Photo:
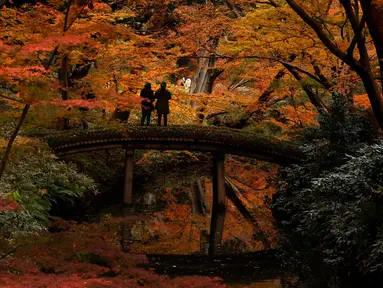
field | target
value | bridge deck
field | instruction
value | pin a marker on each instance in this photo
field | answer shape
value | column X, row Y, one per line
column 193, row 138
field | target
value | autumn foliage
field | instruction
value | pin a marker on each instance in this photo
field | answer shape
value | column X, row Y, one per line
column 83, row 255
column 268, row 67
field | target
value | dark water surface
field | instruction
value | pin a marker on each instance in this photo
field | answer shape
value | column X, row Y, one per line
column 255, row 269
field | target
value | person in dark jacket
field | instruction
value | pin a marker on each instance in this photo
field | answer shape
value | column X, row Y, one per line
column 147, row 99
column 163, row 96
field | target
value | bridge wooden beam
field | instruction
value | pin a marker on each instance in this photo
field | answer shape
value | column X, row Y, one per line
column 219, row 204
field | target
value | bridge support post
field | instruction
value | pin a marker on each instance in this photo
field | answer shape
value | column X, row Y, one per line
column 219, row 204
column 127, row 200
column 128, row 182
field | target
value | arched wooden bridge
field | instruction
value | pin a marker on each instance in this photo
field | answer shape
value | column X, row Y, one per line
column 218, row 141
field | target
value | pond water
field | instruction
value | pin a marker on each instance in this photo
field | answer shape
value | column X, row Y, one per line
column 259, row 269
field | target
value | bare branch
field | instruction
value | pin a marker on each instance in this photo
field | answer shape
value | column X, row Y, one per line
column 357, row 34
column 312, row 96
column 330, row 45
column 67, row 16
column 74, row 18
column 323, row 78
column 308, row 73
column 359, row 39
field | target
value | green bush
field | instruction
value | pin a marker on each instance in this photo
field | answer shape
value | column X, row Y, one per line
column 35, row 179
column 330, row 209
column 16, row 223
column 335, row 221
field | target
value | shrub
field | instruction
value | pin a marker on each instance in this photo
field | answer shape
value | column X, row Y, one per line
column 35, row 179
column 329, row 210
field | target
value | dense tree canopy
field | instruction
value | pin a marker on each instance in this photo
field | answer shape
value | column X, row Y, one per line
column 310, row 72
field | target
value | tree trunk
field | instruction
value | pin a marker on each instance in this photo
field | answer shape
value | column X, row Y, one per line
column 201, row 77
column 121, row 115
column 64, row 74
column 374, row 95
column 204, row 242
column 325, row 82
column 201, row 191
column 198, row 198
column 373, row 11
column 212, row 75
column 218, row 213
column 203, row 80
column 194, row 79
column 4, row 161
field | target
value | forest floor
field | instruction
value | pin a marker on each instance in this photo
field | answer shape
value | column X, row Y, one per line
column 75, row 255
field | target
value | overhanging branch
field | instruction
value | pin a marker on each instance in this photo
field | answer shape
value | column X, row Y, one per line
column 330, row 45
column 308, row 73
column 357, row 35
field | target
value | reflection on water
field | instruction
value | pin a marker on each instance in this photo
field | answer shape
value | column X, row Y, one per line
column 126, row 234
column 253, row 273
